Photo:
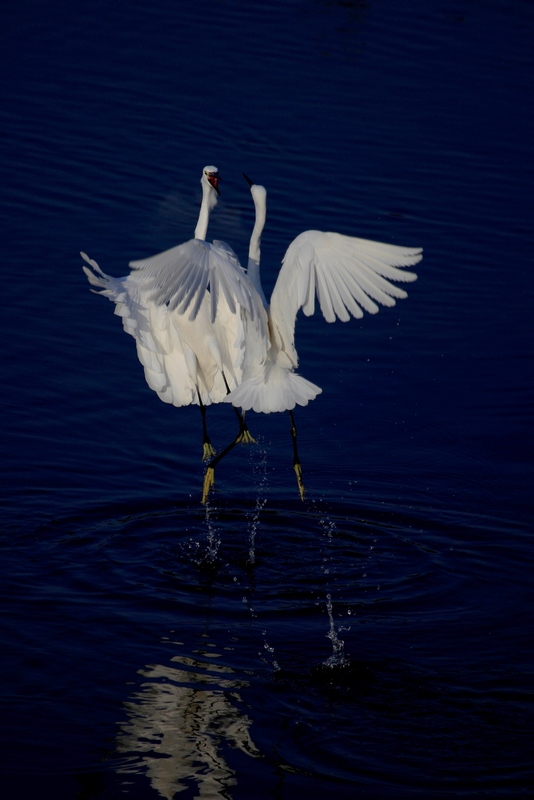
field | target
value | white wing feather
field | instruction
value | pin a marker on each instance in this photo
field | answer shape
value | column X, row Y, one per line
column 159, row 348
column 161, row 335
column 179, row 278
column 130, row 304
column 349, row 276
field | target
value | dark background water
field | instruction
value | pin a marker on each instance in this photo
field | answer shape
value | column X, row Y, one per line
column 152, row 646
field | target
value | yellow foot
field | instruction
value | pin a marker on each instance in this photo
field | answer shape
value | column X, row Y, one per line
column 245, row 437
column 209, row 451
column 298, row 473
column 209, row 480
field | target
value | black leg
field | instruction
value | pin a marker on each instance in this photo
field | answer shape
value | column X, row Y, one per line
column 209, row 477
column 208, row 449
column 296, row 460
column 244, row 436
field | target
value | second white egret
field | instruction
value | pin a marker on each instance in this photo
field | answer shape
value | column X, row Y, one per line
column 349, row 276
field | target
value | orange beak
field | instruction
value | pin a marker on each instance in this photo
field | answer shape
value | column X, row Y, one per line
column 214, row 180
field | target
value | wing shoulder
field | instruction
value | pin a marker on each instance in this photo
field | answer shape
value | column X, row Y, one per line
column 347, row 274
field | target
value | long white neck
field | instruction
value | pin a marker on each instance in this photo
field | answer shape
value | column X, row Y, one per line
column 209, row 201
column 259, row 195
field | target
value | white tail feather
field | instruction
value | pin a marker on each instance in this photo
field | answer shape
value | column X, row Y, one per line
column 280, row 393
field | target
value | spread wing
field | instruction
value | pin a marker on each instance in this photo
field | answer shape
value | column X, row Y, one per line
column 131, row 305
column 180, row 277
column 349, row 276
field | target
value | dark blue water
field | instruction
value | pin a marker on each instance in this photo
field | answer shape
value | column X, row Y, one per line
column 156, row 648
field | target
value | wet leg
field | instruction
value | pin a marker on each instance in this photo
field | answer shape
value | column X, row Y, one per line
column 244, row 436
column 209, row 477
column 296, row 460
column 208, row 449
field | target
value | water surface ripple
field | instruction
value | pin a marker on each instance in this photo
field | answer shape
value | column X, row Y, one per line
column 375, row 640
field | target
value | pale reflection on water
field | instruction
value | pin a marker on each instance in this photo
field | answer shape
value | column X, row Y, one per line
column 180, row 728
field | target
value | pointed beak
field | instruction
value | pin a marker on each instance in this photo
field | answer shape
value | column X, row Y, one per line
column 214, row 180
column 250, row 183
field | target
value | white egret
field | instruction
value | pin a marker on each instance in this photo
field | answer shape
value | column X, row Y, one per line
column 194, row 357
column 349, row 275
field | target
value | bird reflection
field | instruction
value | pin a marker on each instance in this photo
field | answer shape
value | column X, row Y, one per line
column 181, row 728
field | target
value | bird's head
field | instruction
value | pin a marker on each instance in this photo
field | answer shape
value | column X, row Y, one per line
column 210, row 175
column 258, row 192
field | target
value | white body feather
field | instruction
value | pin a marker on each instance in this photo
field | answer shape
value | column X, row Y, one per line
column 185, row 308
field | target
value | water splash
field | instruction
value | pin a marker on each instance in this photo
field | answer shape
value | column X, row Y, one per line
column 255, row 523
column 328, row 526
column 267, row 648
column 337, row 659
column 260, row 471
column 214, row 540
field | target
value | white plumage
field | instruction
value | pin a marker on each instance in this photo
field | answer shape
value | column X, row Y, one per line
column 348, row 275
column 205, row 333
column 184, row 308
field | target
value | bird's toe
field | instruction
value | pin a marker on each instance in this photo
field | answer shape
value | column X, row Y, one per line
column 209, row 480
